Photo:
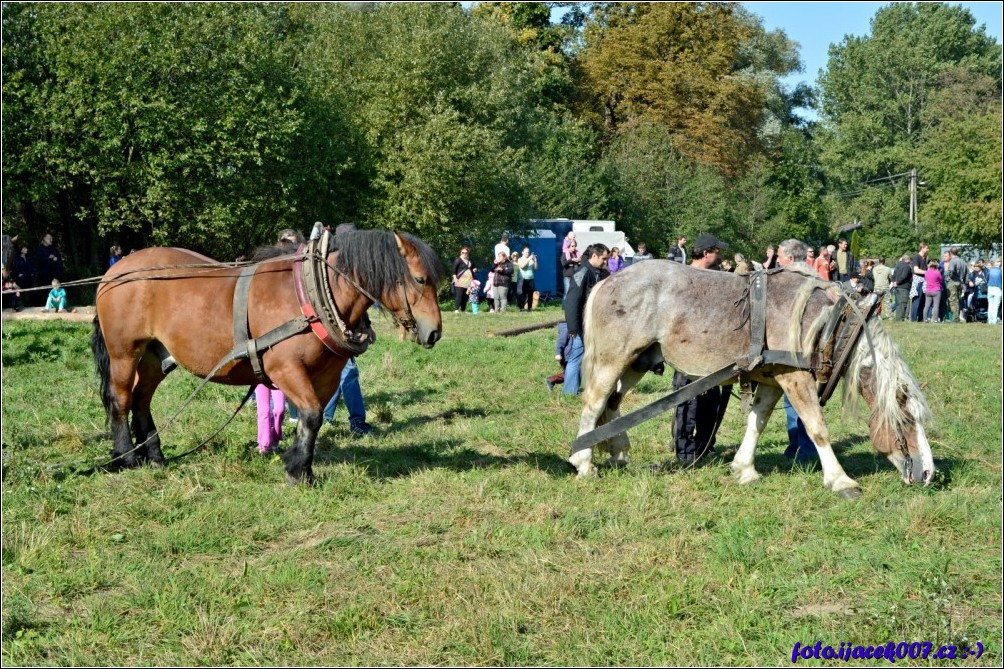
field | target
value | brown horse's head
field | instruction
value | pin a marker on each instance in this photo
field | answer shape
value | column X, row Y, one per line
column 417, row 295
column 401, row 272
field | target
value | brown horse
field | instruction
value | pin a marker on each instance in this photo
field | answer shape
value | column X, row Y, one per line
column 161, row 306
column 693, row 319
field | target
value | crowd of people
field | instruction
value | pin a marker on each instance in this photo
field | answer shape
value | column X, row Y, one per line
column 26, row 271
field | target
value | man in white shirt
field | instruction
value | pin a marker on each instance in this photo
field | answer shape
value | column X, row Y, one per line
column 503, row 247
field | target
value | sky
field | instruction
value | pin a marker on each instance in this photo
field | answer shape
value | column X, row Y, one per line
column 816, row 25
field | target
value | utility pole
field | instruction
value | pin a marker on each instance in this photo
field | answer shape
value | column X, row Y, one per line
column 913, row 200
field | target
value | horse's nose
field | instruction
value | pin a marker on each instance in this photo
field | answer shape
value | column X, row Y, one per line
column 434, row 336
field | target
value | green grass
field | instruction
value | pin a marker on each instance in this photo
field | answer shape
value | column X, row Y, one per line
column 458, row 535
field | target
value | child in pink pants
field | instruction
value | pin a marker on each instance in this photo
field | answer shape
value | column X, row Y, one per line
column 271, row 407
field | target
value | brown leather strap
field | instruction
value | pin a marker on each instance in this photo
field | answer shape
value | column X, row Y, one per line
column 242, row 335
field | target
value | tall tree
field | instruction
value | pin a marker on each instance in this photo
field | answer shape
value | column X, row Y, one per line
column 877, row 94
column 170, row 122
column 694, row 68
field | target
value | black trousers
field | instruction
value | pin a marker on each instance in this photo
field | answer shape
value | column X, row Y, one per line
column 526, row 297
column 459, row 298
column 696, row 422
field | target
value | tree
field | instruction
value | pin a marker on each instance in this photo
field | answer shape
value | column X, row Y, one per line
column 878, row 93
column 174, row 123
column 704, row 71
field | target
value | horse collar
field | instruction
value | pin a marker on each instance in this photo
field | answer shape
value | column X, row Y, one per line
column 317, row 302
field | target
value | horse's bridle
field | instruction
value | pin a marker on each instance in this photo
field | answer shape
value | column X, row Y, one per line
column 409, row 322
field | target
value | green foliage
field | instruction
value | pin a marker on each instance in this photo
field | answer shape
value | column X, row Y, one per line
column 214, row 126
column 890, row 101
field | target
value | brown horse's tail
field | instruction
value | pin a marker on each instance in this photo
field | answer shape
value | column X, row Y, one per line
column 101, row 361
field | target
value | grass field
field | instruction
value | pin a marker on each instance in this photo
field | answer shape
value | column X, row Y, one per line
column 459, row 536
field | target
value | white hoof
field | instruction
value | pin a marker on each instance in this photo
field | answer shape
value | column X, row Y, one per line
column 745, row 474
column 841, row 484
column 583, row 463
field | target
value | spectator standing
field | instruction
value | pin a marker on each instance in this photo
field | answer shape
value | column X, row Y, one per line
column 824, row 264
column 933, row 285
column 586, row 276
column 847, row 264
column 810, row 257
column 502, row 278
column 917, row 289
column 502, row 247
column 881, row 276
column 513, row 295
column 615, row 262
column 49, row 262
column 993, row 292
column 642, row 253
column 24, row 270
column 678, row 253
column 570, row 260
column 527, row 264
column 955, row 275
column 114, row 255
column 771, row 260
column 463, row 276
column 900, row 281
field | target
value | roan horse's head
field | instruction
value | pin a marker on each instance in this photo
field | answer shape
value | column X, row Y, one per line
column 898, row 408
column 402, row 272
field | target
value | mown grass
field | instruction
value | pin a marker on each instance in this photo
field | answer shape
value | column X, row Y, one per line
column 459, row 536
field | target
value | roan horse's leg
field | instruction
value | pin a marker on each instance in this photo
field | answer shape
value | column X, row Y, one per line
column 800, row 388
column 601, row 384
column 619, row 445
column 764, row 401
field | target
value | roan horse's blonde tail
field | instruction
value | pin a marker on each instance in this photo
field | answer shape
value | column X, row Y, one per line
column 894, row 384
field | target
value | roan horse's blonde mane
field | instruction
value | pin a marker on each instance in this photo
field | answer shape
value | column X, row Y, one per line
column 893, row 381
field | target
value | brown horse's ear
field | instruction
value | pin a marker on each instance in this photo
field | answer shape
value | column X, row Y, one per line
column 404, row 247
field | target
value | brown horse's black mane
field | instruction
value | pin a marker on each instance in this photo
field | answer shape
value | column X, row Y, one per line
column 371, row 256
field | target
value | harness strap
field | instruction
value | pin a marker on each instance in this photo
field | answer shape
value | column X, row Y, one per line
column 846, row 345
column 242, row 335
column 660, row 406
column 317, row 303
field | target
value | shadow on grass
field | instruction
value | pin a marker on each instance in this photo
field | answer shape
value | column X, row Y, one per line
column 396, row 462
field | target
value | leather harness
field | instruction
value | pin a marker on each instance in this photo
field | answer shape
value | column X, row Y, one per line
column 828, row 362
column 319, row 313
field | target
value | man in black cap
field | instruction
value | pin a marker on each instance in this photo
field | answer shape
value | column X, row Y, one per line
column 697, row 420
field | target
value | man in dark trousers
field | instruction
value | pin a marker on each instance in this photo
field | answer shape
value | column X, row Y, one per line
column 697, row 420
column 899, row 282
column 589, row 273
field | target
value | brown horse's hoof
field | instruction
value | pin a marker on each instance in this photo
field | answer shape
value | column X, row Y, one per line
column 850, row 493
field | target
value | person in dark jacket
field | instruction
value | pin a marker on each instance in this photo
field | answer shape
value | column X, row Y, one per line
column 586, row 276
column 679, row 252
column 696, row 421
column 503, row 275
column 899, row 283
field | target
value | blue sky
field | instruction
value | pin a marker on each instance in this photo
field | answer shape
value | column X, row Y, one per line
column 816, row 25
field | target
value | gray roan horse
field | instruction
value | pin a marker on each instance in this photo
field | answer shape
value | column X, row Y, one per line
column 693, row 320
